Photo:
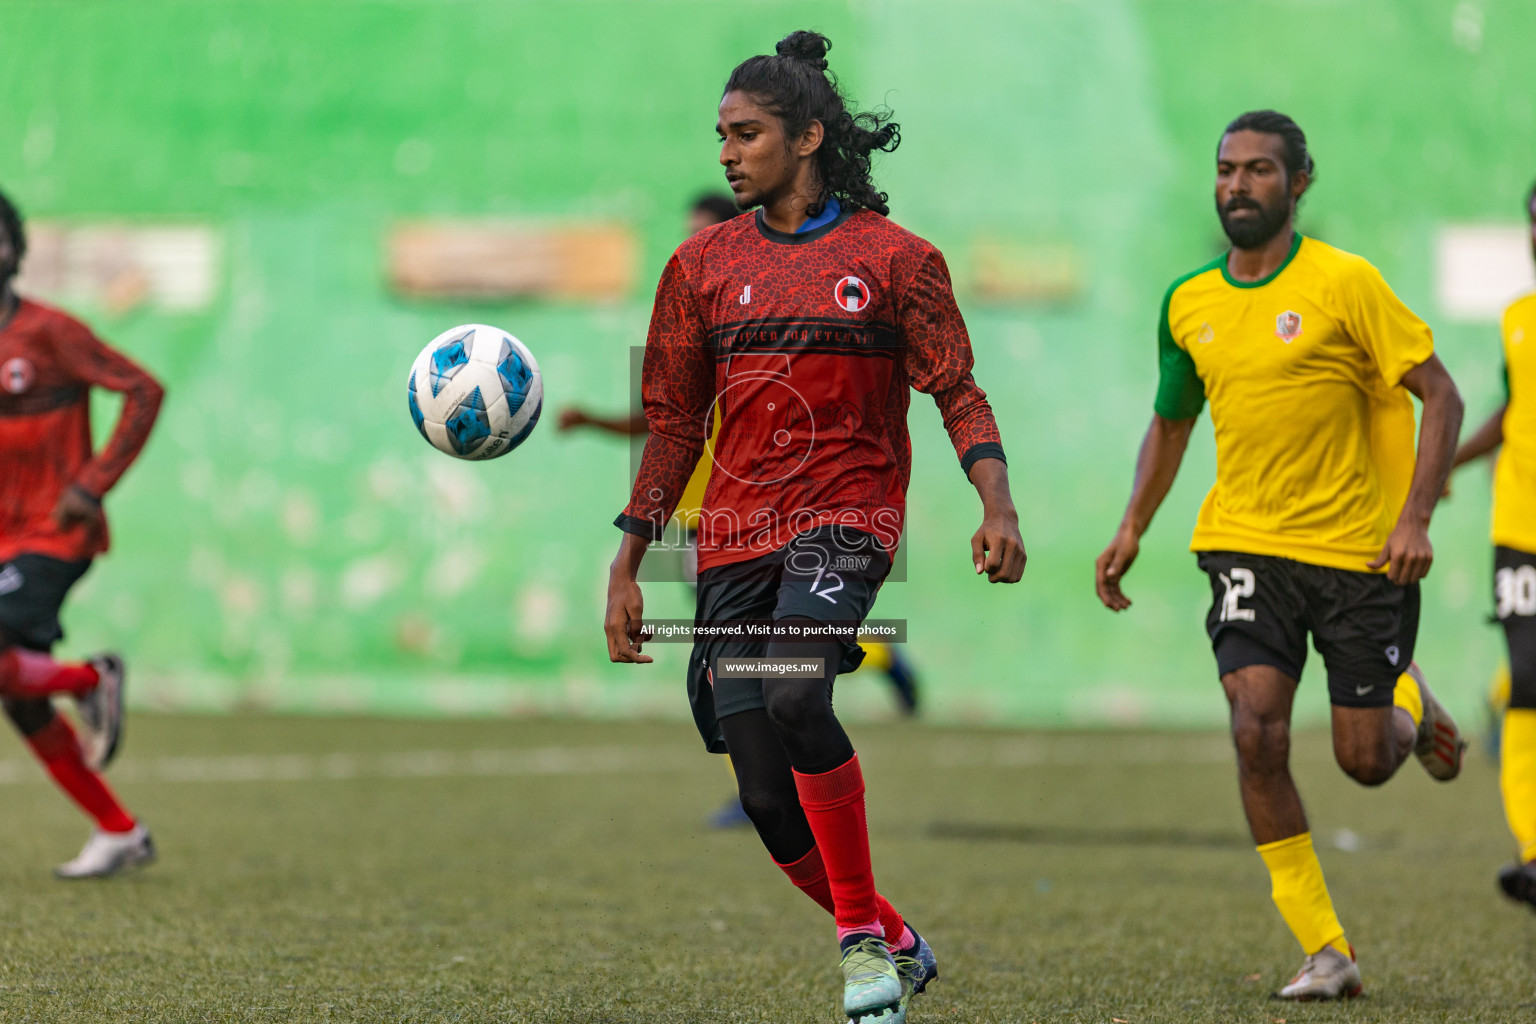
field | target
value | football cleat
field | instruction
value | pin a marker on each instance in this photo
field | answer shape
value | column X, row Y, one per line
column 1326, row 974
column 917, row 966
column 1519, row 882
column 1439, row 746
column 108, row 853
column 101, row 712
column 872, row 986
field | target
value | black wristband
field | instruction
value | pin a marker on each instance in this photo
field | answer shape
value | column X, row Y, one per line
column 640, row 527
column 976, row 452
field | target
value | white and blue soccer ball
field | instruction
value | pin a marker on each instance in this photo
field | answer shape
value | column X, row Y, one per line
column 475, row 392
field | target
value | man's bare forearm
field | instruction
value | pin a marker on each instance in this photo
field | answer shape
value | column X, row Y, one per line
column 626, row 564
column 633, row 425
column 1439, row 427
column 1157, row 464
column 1487, row 437
column 990, row 478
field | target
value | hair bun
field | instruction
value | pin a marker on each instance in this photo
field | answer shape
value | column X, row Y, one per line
column 810, row 47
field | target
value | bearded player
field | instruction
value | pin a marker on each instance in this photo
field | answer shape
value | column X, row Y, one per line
column 1319, row 519
column 1514, row 564
column 805, row 325
column 51, row 527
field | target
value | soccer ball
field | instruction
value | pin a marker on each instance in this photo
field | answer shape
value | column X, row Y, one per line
column 475, row 392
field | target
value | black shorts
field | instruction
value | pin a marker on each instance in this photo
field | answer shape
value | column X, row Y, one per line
column 829, row 574
column 32, row 589
column 1514, row 596
column 1262, row 608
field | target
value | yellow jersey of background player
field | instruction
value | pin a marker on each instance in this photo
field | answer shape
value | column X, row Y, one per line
column 1513, row 425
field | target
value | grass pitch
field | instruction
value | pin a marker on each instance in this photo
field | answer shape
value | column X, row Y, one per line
column 365, row 870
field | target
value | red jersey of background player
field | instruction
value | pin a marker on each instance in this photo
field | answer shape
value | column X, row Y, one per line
column 49, row 361
column 809, row 342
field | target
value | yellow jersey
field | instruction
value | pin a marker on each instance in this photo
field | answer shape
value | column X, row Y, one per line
column 1514, row 478
column 1303, row 370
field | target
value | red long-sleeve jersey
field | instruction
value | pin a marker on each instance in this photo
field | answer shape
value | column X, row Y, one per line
column 49, row 361
column 808, row 343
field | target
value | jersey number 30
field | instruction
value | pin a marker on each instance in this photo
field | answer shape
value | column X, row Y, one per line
column 1516, row 591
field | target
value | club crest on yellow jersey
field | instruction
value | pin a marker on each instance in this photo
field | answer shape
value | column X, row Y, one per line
column 1288, row 326
column 1207, row 334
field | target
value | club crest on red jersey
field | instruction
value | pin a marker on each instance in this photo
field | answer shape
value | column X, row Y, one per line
column 17, row 376
column 852, row 294
column 1288, row 326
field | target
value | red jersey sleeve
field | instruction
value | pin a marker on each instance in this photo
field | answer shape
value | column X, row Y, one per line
column 677, row 385
column 939, row 360
column 96, row 364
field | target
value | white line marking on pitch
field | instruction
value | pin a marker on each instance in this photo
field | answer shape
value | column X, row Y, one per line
column 416, row 764
column 1015, row 752
column 1107, row 750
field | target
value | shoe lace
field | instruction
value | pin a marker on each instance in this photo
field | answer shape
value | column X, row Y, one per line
column 911, row 969
column 866, row 958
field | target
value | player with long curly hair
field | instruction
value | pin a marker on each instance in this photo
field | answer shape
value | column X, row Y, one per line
column 805, row 325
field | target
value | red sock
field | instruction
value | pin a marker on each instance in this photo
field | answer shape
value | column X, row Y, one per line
column 55, row 745
column 32, row 674
column 896, row 934
column 834, row 806
column 810, row 876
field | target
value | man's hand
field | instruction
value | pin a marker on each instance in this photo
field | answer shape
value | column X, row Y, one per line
column 626, row 607
column 997, row 549
column 1408, row 552
column 570, row 418
column 1112, row 566
column 75, row 508
column 1162, row 450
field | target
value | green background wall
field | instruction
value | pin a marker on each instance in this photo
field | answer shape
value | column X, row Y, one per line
column 288, row 541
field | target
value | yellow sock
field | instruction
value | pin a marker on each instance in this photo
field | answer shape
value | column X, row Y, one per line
column 876, row 655
column 1517, row 777
column 1298, row 889
column 1406, row 695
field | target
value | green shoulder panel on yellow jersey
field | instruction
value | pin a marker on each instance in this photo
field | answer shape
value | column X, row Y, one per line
column 1514, row 477
column 1180, row 394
